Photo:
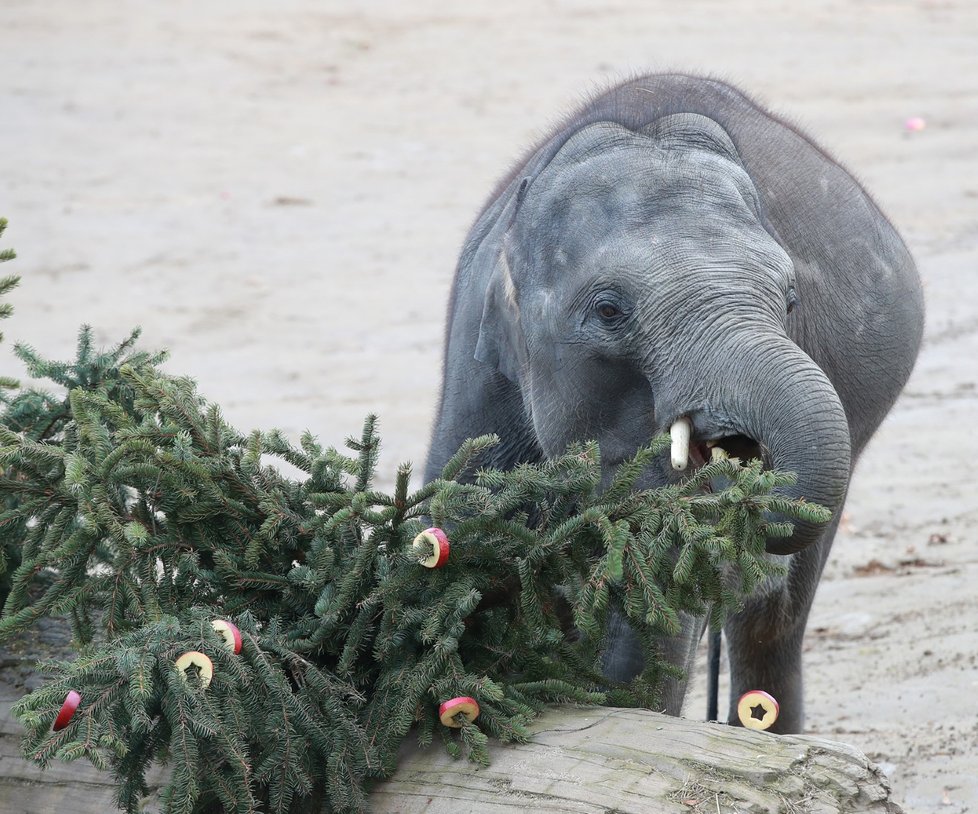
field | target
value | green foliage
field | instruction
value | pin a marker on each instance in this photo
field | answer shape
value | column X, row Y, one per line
column 9, row 549
column 5, row 255
column 143, row 516
column 32, row 430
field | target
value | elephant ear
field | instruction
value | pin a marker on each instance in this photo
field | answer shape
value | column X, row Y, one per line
column 691, row 131
column 501, row 343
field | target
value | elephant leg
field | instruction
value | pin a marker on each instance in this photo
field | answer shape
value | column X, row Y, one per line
column 767, row 662
column 764, row 640
column 622, row 659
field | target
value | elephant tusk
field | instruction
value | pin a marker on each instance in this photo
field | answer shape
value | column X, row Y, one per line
column 680, row 432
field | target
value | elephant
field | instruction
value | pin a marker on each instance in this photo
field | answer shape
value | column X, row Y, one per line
column 673, row 257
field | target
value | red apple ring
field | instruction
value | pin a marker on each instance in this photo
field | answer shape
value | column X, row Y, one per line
column 431, row 548
column 72, row 700
column 757, row 709
column 230, row 633
column 463, row 705
column 193, row 658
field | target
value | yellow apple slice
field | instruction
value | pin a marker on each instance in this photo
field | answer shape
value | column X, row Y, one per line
column 193, row 658
column 431, row 548
column 230, row 634
column 72, row 700
column 465, row 706
column 757, row 709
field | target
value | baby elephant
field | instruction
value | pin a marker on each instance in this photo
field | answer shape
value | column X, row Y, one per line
column 676, row 257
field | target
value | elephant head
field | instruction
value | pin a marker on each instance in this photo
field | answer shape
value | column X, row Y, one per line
column 639, row 287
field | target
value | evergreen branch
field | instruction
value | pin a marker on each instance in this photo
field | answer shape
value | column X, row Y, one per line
column 136, row 511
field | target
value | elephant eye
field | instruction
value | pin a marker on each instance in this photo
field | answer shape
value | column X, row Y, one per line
column 607, row 307
column 608, row 311
column 792, row 300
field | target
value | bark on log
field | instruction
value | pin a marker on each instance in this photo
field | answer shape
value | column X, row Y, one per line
column 581, row 760
column 626, row 760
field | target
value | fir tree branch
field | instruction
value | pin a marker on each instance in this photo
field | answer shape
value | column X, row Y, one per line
column 148, row 518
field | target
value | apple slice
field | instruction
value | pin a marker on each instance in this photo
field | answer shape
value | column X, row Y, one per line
column 230, row 633
column 431, row 548
column 72, row 700
column 757, row 709
column 193, row 658
column 463, row 705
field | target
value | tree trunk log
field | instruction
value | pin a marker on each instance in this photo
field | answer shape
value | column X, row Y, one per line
column 624, row 761
column 580, row 760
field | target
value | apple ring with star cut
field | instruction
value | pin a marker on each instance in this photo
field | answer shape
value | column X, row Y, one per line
column 757, row 709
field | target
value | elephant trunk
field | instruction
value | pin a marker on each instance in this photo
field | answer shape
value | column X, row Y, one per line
column 783, row 401
column 794, row 412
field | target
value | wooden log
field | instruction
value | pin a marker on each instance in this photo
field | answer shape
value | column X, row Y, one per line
column 634, row 761
column 580, row 760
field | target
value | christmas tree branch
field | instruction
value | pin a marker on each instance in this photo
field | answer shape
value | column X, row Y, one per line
column 143, row 516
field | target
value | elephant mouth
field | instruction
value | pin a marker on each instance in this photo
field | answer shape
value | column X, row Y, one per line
column 737, row 446
column 702, row 451
column 693, row 451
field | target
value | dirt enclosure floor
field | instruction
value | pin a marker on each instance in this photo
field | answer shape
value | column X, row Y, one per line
column 278, row 193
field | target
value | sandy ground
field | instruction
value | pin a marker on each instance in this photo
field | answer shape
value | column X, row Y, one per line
column 278, row 192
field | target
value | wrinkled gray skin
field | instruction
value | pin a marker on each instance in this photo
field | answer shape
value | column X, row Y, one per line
column 675, row 250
